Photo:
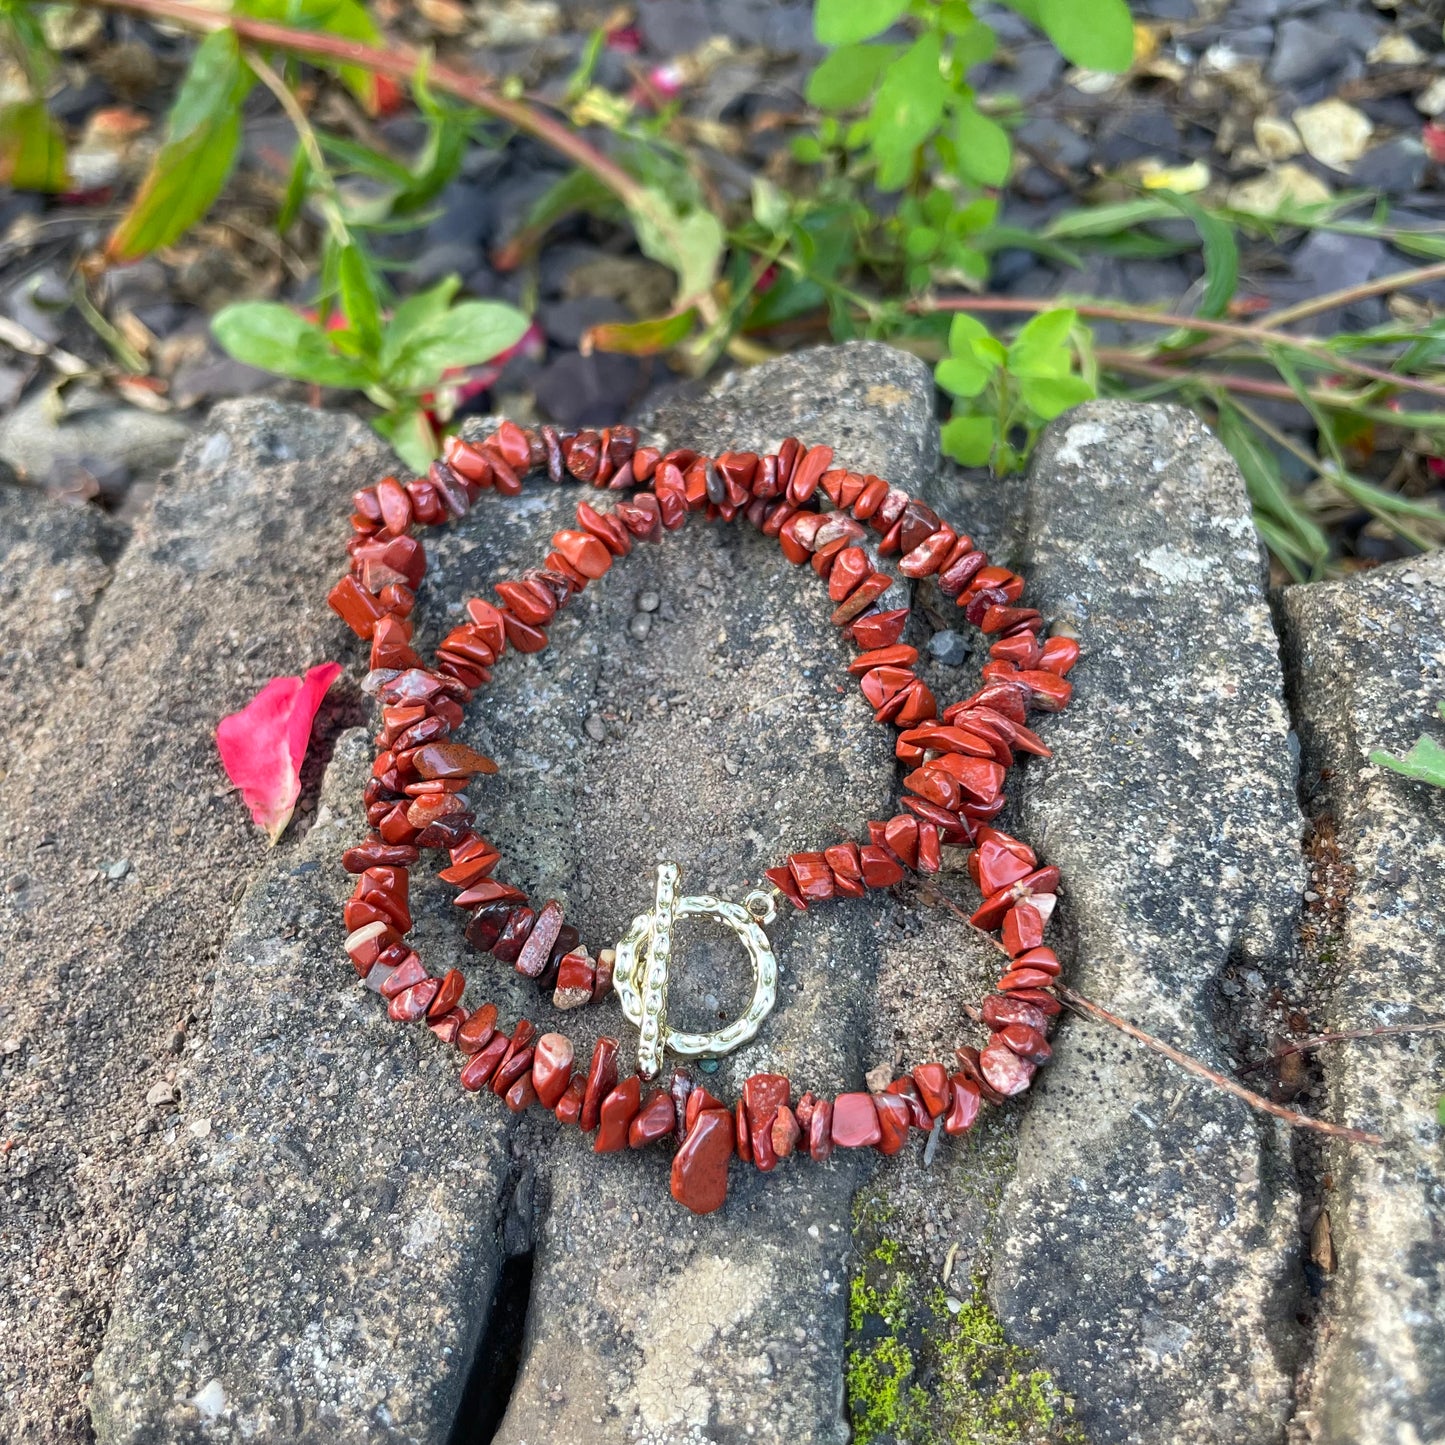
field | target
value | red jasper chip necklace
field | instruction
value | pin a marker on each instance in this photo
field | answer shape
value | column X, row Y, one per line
column 416, row 798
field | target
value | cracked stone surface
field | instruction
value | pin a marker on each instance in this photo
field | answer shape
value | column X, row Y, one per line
column 337, row 1201
column 733, row 738
column 1368, row 660
column 54, row 564
column 1146, row 1244
column 725, row 743
column 123, row 852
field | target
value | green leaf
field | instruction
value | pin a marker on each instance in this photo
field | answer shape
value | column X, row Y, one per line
column 1048, row 396
column 1425, row 762
column 449, row 130
column 771, row 207
column 968, row 439
column 359, row 302
column 410, row 316
column 844, row 22
column 1042, row 347
column 410, row 434
column 345, row 18
column 298, row 187
column 363, row 160
column 1221, row 255
column 469, row 333
column 189, row 170
column 962, row 376
column 1097, row 34
column 640, row 338
column 920, row 243
column 691, row 245
column 1298, row 535
column 846, row 77
column 1108, row 220
column 22, row 38
column 32, row 148
column 974, row 42
column 907, row 109
column 963, row 331
column 984, row 150
column 275, row 338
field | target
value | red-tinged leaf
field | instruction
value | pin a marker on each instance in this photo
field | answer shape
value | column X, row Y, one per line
column 32, row 148
column 1433, row 137
column 262, row 745
column 203, row 135
column 640, row 338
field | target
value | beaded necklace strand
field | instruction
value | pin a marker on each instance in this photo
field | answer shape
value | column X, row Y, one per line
column 416, row 798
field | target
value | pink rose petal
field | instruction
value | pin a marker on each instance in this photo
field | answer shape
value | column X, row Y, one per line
column 262, row 745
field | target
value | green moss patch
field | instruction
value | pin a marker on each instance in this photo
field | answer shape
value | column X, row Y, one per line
column 933, row 1367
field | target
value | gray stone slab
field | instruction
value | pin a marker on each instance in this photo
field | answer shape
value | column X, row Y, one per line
column 733, row 738
column 54, row 564
column 325, row 1214
column 1145, row 1242
column 323, row 1265
column 729, row 737
column 133, row 851
column 1368, row 663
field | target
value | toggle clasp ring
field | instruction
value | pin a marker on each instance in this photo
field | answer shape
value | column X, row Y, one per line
column 645, row 954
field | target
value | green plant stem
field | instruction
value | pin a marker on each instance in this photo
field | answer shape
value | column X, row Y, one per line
column 1225, row 330
column 400, row 62
column 1399, row 281
column 306, row 136
column 1116, row 359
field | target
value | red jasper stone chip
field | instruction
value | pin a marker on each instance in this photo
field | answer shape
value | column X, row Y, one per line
column 618, row 1110
column 655, row 1120
column 552, row 1057
column 700, row 1167
column 855, row 1122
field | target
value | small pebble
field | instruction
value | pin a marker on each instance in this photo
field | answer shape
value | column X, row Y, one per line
column 948, row 647
column 648, row 602
column 161, row 1093
column 596, row 728
column 640, row 625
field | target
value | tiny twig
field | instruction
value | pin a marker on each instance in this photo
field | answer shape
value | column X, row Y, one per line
column 1114, row 359
column 1304, row 1046
column 1347, row 296
column 400, row 62
column 1399, row 281
column 932, row 895
column 1213, row 1076
column 1223, row 330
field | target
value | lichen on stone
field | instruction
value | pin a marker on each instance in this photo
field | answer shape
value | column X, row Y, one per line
column 930, row 1367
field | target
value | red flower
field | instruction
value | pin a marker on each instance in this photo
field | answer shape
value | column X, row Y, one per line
column 262, row 745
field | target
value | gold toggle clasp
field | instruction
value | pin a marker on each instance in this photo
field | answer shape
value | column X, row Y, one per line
column 645, row 954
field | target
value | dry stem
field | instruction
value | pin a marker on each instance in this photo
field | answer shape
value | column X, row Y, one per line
column 1077, row 1001
column 1304, row 1046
